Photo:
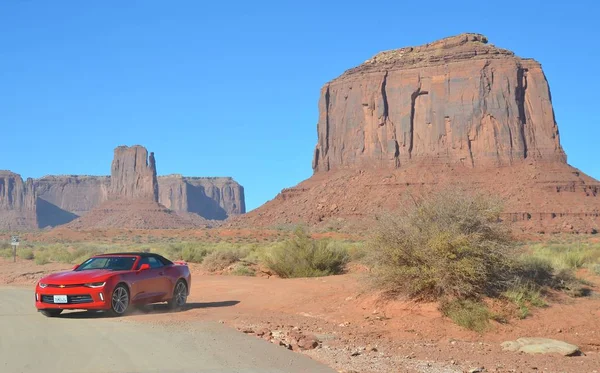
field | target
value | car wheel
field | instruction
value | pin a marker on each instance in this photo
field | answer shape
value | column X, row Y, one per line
column 179, row 295
column 51, row 313
column 119, row 301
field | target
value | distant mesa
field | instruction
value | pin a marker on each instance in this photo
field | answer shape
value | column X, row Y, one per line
column 418, row 119
column 132, row 197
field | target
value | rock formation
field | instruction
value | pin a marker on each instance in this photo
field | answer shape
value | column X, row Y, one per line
column 17, row 202
column 132, row 197
column 133, row 174
column 56, row 200
column 456, row 112
column 214, row 198
column 455, row 101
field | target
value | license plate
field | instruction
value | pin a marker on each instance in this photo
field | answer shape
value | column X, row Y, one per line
column 60, row 299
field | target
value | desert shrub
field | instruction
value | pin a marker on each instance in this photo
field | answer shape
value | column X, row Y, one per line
column 596, row 269
column 469, row 314
column 449, row 245
column 6, row 252
column 302, row 256
column 41, row 258
column 220, row 259
column 25, row 253
column 243, row 270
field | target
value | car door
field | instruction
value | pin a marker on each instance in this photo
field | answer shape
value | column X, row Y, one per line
column 145, row 283
column 161, row 283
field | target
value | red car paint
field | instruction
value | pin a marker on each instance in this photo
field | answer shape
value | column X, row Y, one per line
column 145, row 286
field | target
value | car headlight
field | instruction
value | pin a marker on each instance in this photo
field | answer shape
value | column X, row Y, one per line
column 43, row 285
column 95, row 284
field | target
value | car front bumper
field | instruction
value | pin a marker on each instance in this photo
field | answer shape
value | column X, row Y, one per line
column 78, row 298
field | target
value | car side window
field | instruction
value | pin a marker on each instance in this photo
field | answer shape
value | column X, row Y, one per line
column 154, row 263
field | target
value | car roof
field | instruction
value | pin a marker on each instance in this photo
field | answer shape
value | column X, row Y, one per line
column 140, row 254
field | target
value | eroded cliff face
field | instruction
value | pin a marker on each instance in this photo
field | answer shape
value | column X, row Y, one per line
column 73, row 193
column 455, row 101
column 61, row 199
column 133, row 174
column 17, row 202
column 213, row 198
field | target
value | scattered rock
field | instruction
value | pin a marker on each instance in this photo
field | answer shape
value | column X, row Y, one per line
column 541, row 346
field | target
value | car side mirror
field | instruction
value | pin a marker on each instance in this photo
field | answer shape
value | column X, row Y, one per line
column 75, row 267
column 144, row 267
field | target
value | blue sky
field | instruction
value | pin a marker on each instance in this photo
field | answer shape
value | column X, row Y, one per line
column 231, row 88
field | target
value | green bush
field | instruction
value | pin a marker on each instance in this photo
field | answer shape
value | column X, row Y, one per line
column 468, row 314
column 303, row 256
column 25, row 253
column 220, row 259
column 450, row 245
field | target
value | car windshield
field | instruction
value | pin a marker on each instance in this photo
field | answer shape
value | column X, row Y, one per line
column 113, row 263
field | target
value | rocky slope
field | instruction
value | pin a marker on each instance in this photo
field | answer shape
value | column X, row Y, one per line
column 458, row 111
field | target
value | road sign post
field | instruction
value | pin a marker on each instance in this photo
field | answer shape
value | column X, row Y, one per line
column 14, row 241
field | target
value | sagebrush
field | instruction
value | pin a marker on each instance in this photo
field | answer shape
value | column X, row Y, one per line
column 303, row 256
column 448, row 245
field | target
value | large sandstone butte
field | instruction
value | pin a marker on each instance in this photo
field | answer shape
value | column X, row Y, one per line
column 132, row 196
column 417, row 119
column 57, row 200
column 455, row 101
column 133, row 174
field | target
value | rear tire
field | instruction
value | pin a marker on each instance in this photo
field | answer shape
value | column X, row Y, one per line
column 51, row 312
column 180, row 293
column 119, row 301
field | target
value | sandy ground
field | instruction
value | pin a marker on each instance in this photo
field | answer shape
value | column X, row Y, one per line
column 80, row 342
column 358, row 332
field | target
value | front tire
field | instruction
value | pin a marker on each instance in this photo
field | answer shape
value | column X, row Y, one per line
column 119, row 301
column 180, row 293
column 51, row 312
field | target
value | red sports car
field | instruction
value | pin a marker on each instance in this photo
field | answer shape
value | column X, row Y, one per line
column 114, row 282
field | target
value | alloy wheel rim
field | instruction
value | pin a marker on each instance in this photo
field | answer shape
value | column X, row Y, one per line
column 180, row 294
column 120, row 300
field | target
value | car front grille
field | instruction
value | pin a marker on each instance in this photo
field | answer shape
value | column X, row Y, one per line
column 71, row 299
column 65, row 286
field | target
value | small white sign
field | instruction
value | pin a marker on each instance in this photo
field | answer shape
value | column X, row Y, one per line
column 14, row 240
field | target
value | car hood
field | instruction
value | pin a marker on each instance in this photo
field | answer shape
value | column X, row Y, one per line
column 77, row 277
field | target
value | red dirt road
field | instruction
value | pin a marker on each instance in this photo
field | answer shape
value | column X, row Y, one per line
column 383, row 336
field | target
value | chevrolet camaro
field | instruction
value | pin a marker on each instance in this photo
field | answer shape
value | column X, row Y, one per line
column 114, row 283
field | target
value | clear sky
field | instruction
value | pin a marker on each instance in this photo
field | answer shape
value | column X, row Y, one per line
column 230, row 88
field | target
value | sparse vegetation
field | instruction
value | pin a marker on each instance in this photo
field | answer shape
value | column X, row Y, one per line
column 302, row 256
column 220, row 259
column 242, row 269
column 25, row 253
column 568, row 255
column 467, row 313
column 450, row 247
